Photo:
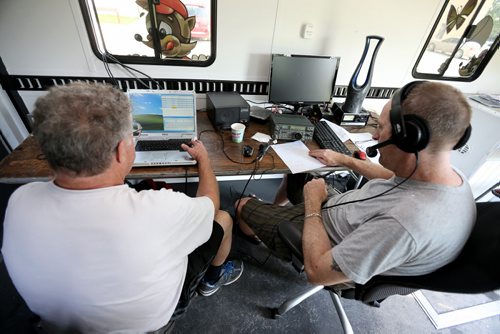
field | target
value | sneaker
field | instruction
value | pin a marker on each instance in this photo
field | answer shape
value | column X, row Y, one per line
column 231, row 271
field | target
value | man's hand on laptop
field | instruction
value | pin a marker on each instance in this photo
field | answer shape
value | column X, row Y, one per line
column 196, row 149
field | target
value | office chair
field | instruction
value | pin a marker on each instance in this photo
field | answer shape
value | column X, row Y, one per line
column 475, row 270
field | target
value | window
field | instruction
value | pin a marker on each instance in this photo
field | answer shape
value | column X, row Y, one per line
column 464, row 38
column 168, row 32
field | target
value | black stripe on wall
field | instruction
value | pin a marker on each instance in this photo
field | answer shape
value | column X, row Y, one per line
column 42, row 83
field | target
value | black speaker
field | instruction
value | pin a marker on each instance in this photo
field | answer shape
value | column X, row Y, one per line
column 226, row 108
column 223, row 118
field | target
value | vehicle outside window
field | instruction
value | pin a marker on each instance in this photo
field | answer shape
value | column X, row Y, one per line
column 467, row 51
column 201, row 30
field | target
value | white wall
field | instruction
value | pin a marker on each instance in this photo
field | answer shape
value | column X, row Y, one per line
column 342, row 27
column 49, row 38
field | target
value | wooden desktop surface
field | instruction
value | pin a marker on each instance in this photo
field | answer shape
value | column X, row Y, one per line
column 27, row 163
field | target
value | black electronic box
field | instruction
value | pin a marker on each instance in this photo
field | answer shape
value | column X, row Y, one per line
column 345, row 119
column 291, row 127
column 226, row 108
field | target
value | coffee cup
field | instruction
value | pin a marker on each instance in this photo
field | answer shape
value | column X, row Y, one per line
column 237, row 131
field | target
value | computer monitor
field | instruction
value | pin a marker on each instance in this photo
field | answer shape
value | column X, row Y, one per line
column 302, row 80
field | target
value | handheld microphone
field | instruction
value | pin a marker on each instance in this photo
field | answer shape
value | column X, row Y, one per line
column 262, row 150
column 372, row 150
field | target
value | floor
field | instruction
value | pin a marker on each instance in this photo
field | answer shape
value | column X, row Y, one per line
column 244, row 307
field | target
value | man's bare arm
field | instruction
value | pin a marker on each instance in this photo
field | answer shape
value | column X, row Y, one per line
column 316, row 246
column 366, row 168
column 207, row 185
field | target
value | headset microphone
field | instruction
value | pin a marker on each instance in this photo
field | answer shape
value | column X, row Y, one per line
column 372, row 150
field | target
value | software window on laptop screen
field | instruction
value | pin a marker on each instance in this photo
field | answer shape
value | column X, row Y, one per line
column 164, row 112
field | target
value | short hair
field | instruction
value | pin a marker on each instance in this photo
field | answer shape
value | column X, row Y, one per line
column 446, row 110
column 79, row 126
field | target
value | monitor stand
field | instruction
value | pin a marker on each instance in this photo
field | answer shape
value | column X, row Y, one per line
column 299, row 108
column 312, row 111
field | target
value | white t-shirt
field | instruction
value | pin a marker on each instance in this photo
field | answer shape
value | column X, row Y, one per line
column 102, row 260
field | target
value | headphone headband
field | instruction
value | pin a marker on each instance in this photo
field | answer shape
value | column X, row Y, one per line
column 465, row 137
column 397, row 121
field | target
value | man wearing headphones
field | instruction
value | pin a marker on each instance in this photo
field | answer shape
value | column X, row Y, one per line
column 412, row 217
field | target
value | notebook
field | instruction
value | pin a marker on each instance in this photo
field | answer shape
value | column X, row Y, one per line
column 167, row 117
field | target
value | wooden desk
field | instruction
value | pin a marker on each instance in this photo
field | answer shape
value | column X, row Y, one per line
column 27, row 164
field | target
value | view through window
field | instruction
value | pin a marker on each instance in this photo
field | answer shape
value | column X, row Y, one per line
column 172, row 32
column 463, row 40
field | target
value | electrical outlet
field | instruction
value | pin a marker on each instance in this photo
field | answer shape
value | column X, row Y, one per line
column 307, row 31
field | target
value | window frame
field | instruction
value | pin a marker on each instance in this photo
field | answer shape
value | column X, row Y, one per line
column 481, row 66
column 94, row 29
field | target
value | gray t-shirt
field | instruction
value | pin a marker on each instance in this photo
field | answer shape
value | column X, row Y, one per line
column 412, row 230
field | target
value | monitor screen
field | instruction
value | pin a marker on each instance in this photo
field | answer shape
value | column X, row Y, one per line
column 302, row 79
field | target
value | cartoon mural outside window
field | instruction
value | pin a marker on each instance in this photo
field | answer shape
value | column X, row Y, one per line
column 174, row 29
column 163, row 32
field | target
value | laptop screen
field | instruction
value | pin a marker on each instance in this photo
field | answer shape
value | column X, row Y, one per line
column 164, row 113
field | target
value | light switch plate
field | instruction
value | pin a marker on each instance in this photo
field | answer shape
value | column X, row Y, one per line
column 307, row 31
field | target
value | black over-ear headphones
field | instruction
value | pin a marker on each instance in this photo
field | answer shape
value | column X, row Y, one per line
column 410, row 132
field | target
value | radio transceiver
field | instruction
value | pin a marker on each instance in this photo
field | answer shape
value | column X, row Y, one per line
column 291, row 127
column 354, row 119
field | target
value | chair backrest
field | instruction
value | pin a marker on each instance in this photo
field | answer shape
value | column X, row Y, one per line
column 475, row 270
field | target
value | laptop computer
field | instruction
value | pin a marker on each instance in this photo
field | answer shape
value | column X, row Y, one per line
column 167, row 118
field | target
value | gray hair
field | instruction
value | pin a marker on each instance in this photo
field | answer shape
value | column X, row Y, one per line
column 445, row 109
column 79, row 126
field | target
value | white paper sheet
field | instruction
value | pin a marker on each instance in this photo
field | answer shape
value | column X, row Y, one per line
column 262, row 137
column 296, row 156
column 339, row 131
column 362, row 139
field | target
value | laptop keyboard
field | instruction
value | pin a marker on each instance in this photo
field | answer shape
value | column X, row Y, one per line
column 326, row 138
column 161, row 145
